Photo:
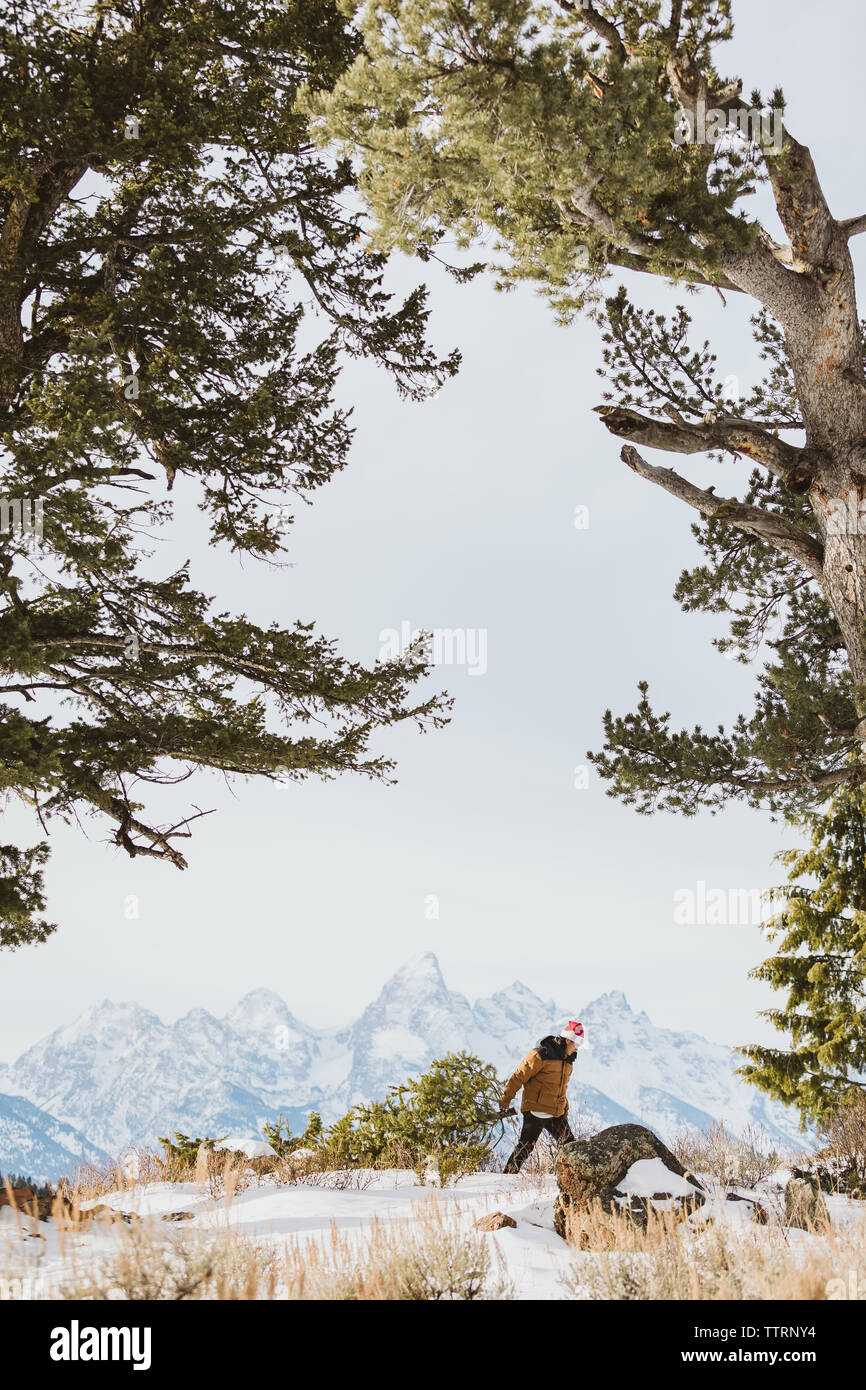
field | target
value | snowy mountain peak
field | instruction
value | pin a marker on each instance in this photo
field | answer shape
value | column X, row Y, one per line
column 422, row 970
column 107, row 1011
column 518, row 991
column 259, row 1011
column 611, row 1002
column 103, row 1025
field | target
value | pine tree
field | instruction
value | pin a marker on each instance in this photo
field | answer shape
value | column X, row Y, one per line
column 181, row 278
column 447, row 1112
column 820, row 965
column 578, row 138
column 451, row 1105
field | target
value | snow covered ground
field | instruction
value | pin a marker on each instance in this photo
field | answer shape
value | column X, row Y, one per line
column 532, row 1259
column 534, row 1256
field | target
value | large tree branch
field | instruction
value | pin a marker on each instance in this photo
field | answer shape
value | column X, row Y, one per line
column 800, row 201
column 803, row 209
column 584, row 211
column 201, row 656
column 851, row 775
column 603, row 27
column 776, row 530
column 27, row 217
column 796, row 468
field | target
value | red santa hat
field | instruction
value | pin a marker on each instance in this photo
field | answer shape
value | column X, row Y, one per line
column 573, row 1030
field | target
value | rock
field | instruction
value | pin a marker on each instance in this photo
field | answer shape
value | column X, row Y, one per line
column 178, row 1216
column 591, row 1231
column 246, row 1148
column 758, row 1213
column 20, row 1197
column 27, row 1203
column 805, row 1207
column 494, row 1221
column 590, row 1171
column 100, row 1212
column 44, row 1208
column 819, row 1175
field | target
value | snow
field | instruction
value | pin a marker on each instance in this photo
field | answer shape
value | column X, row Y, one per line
column 534, row 1257
column 292, row 1216
column 388, row 1041
column 649, row 1175
column 253, row 1148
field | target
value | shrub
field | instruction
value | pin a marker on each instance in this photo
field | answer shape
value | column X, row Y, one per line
column 444, row 1115
column 732, row 1160
column 185, row 1151
column 430, row 1260
column 285, row 1144
column 844, row 1151
column 720, row 1262
column 150, row 1265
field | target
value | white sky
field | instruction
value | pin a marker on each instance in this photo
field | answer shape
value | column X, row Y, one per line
column 459, row 513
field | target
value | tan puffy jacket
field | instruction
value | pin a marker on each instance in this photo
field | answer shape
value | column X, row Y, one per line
column 544, row 1075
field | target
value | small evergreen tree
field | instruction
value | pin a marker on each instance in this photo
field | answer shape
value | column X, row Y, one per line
column 450, row 1105
column 184, row 1149
column 284, row 1144
column 446, row 1114
column 820, row 964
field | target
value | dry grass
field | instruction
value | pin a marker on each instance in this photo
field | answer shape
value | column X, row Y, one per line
column 309, row 1173
column 429, row 1259
column 150, row 1264
column 142, row 1165
column 431, row 1256
column 672, row 1261
column 222, row 1170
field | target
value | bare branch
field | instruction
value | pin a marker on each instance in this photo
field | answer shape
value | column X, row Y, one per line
column 795, row 467
column 776, row 530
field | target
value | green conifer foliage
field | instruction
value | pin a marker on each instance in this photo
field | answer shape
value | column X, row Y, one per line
column 820, row 967
column 181, row 277
column 447, row 1114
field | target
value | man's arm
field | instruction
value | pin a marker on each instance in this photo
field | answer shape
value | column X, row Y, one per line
column 528, row 1067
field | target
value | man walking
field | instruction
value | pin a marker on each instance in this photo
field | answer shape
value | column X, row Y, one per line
column 544, row 1075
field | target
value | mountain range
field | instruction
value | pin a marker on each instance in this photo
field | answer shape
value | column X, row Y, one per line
column 119, row 1076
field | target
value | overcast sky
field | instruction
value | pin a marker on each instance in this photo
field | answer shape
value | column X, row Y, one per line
column 459, row 513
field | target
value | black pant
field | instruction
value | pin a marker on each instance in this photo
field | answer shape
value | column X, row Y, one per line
column 558, row 1127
